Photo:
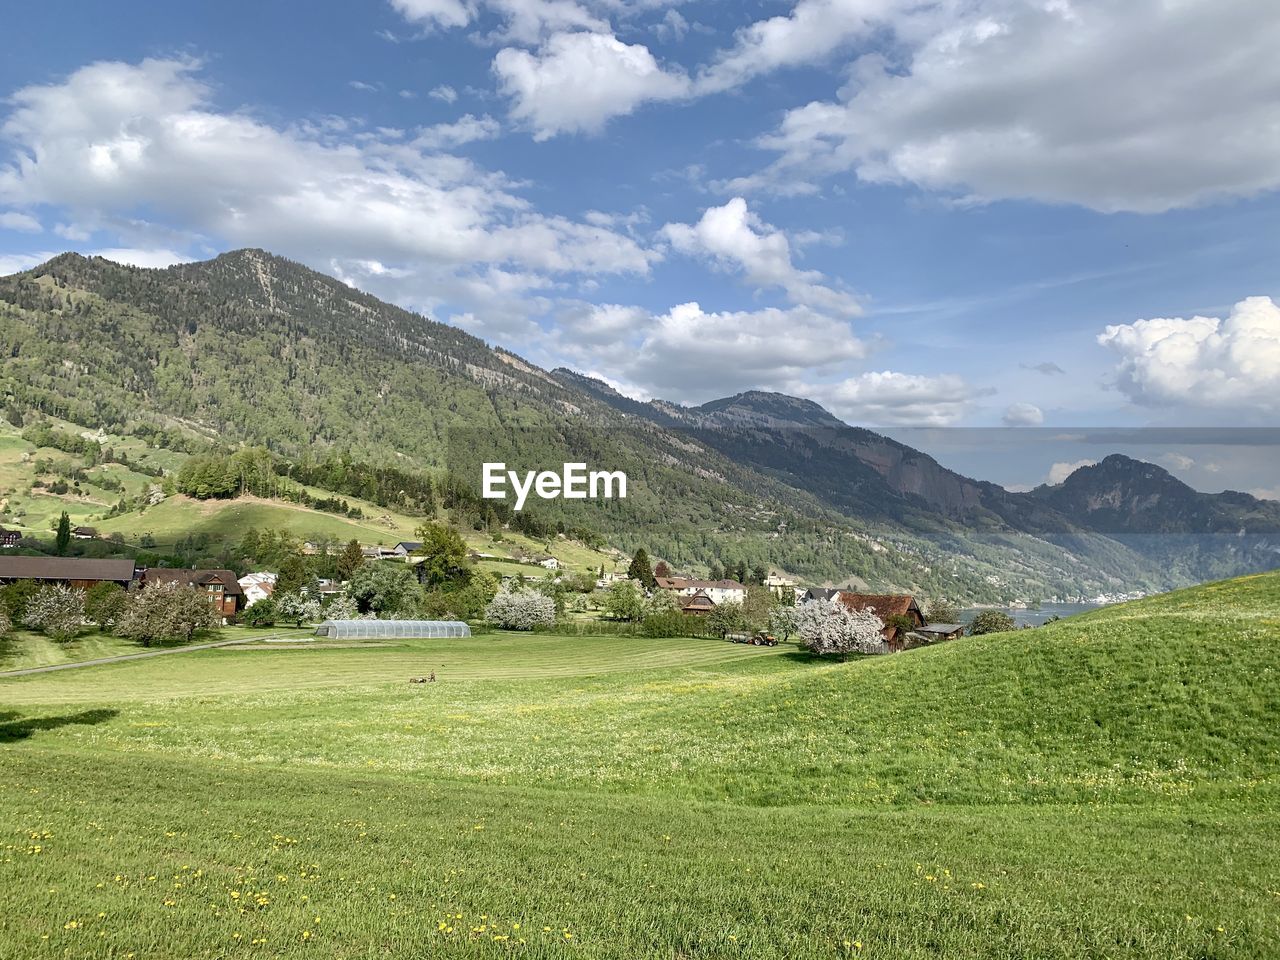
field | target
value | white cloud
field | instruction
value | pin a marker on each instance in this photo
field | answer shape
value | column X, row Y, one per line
column 811, row 32
column 1023, row 415
column 689, row 354
column 1266, row 493
column 735, row 238
column 17, row 262
column 466, row 129
column 444, row 93
column 135, row 257
column 1139, row 106
column 1203, row 361
column 114, row 140
column 1060, row 471
column 575, row 82
column 20, row 222
column 444, row 13
column 889, row 398
column 364, row 86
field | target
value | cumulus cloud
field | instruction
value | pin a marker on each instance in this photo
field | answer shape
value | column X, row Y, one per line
column 691, row 354
column 1023, row 415
column 1139, row 106
column 575, row 82
column 523, row 21
column 21, row 222
column 734, row 238
column 135, row 257
column 124, row 142
column 443, row 93
column 1060, row 471
column 889, row 398
column 1202, row 361
column 465, row 129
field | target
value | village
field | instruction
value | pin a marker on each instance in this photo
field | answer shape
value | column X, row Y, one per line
column 420, row 585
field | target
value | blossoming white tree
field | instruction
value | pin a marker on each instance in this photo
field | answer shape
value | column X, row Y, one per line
column 515, row 608
column 300, row 607
column 828, row 626
column 56, row 610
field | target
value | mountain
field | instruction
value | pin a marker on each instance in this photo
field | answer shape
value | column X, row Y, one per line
column 250, row 348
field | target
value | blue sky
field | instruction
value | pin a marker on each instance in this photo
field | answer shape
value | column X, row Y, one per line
column 956, row 213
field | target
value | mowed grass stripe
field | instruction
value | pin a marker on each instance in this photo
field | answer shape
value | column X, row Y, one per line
column 499, row 657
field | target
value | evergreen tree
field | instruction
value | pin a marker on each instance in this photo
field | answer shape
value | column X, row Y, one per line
column 349, row 560
column 62, row 539
column 640, row 569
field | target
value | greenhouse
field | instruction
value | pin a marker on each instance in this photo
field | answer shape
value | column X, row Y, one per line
column 391, row 629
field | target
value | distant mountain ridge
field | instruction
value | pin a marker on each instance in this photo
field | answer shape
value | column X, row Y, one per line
column 253, row 348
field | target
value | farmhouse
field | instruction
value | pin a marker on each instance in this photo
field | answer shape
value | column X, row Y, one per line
column 257, row 586
column 718, row 591
column 221, row 585
column 9, row 538
column 84, row 533
column 888, row 607
column 406, row 547
column 72, row 571
column 698, row 604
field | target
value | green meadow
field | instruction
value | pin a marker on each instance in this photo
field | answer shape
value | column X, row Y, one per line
column 1105, row 786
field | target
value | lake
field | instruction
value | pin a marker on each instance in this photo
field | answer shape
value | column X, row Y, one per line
column 1033, row 617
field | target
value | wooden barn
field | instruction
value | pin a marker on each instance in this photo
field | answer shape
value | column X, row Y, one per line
column 888, row 607
column 72, row 571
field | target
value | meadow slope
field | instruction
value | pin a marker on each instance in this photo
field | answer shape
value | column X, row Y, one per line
column 1101, row 787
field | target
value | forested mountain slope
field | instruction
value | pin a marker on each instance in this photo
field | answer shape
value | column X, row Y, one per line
column 249, row 348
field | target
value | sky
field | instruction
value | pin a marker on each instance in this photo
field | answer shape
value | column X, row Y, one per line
column 931, row 214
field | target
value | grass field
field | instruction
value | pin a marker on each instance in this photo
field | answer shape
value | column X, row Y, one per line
column 24, row 649
column 1102, row 787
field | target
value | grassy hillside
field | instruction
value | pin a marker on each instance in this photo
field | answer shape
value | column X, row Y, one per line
column 1101, row 787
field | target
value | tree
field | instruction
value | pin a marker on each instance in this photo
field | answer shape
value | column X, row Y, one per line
column 341, row 607
column 727, row 617
column 349, row 560
column 167, row 612
column 715, row 572
column 297, row 607
column 783, row 620
column 830, row 627
column 261, row 614
column 624, row 602
column 384, row 588
column 104, row 604
column 991, row 621
column 939, row 611
column 640, row 570
column 759, row 574
column 660, row 569
column 62, row 539
column 15, row 597
column 57, row 611
column 294, row 575
column 755, row 609
column 740, row 572
column 517, row 608
column 443, row 552
column 6, row 625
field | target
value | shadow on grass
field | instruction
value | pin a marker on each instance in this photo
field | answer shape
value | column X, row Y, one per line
column 14, row 728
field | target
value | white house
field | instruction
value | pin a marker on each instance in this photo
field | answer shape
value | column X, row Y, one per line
column 257, row 586
column 720, row 591
column 551, row 563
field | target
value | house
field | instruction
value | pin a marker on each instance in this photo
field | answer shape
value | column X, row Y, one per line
column 719, row 591
column 405, row 547
column 780, row 584
column 551, row 563
column 84, row 533
column 72, row 571
column 9, row 538
column 698, row 604
column 887, row 607
column 933, row 632
column 257, row 586
column 221, row 585
column 819, row 593
column 609, row 579
column 328, row 588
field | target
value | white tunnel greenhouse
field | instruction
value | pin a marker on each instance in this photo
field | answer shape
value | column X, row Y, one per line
column 391, row 629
